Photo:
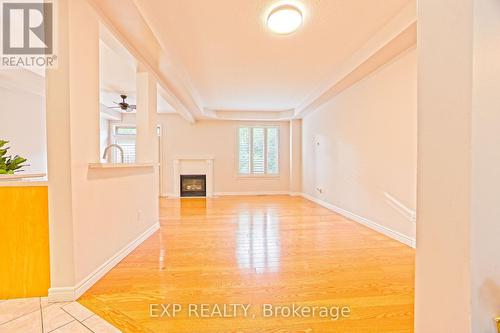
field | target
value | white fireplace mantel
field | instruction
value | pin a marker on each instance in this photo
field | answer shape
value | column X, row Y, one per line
column 193, row 165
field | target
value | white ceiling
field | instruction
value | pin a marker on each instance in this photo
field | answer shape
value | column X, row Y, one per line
column 118, row 76
column 229, row 61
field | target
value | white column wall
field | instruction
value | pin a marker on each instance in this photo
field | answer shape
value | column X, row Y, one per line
column 295, row 156
column 442, row 301
column 485, row 226
column 59, row 160
column 146, row 117
column 457, row 265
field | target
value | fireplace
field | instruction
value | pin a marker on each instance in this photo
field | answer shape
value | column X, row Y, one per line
column 193, row 165
column 193, row 185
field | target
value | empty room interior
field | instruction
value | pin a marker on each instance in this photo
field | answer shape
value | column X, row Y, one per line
column 205, row 166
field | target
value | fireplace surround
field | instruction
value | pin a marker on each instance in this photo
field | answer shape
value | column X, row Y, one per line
column 193, row 165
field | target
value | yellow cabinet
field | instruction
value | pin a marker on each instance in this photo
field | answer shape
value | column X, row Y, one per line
column 24, row 242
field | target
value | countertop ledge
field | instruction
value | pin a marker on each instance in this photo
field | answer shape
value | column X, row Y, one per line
column 24, row 180
column 23, row 183
column 119, row 165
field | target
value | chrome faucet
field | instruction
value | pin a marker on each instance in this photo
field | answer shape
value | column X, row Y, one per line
column 115, row 146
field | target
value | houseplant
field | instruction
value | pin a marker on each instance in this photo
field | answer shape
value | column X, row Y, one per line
column 8, row 164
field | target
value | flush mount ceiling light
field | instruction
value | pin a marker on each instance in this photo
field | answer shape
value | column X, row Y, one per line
column 284, row 19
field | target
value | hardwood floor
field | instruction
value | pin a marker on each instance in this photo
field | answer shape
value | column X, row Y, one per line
column 278, row 250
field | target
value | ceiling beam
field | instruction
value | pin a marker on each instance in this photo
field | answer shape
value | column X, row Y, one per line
column 399, row 35
column 145, row 61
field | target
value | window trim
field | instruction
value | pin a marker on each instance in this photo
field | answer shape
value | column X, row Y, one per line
column 251, row 175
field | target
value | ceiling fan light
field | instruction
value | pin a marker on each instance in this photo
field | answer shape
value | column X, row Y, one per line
column 284, row 19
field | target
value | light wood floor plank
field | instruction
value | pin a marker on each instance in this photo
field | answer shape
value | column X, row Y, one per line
column 255, row 250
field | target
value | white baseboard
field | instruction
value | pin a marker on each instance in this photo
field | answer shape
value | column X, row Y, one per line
column 67, row 294
column 249, row 193
column 364, row 221
column 61, row 294
column 252, row 193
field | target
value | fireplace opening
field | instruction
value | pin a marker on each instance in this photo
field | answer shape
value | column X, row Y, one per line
column 193, row 185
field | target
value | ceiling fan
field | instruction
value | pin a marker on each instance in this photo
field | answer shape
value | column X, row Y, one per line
column 123, row 105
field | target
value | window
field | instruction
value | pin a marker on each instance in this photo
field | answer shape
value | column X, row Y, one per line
column 258, row 150
column 125, row 130
column 124, row 136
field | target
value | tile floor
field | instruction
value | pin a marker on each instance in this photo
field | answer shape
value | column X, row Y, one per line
column 37, row 315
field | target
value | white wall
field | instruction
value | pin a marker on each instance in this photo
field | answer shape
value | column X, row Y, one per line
column 218, row 138
column 103, row 210
column 22, row 121
column 362, row 144
column 110, row 208
column 104, row 136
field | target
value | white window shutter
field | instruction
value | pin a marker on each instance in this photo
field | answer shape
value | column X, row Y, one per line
column 258, row 153
column 128, row 147
column 258, row 150
column 272, row 151
column 244, row 150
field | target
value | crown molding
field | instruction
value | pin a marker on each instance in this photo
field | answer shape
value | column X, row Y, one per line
column 251, row 115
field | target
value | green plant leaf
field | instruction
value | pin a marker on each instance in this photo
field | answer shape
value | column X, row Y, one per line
column 9, row 164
